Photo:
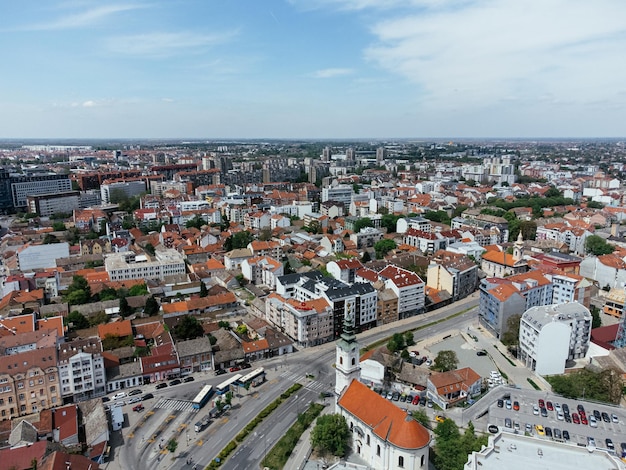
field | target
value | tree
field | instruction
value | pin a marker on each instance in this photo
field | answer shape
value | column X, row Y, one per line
column 362, row 223
column 408, row 338
column 596, row 320
column 446, row 360
column 389, row 222
column 80, row 287
column 421, row 417
column 149, row 248
column 438, row 216
column 396, row 343
column 58, row 226
column 125, row 309
column 366, row 257
column 50, row 239
column 196, row 222
column 511, row 335
column 108, row 293
column 331, row 434
column 238, row 240
column 172, row 445
column 151, row 307
column 596, row 245
column 77, row 320
column 553, row 192
column 138, row 289
column 242, row 329
column 204, row 292
column 188, row 328
column 383, row 247
column 98, row 319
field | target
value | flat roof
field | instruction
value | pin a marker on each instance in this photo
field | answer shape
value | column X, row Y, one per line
column 517, row 452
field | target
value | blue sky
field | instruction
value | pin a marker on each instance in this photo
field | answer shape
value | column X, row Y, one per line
column 312, row 68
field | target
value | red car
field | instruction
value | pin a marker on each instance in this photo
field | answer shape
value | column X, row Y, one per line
column 416, row 400
column 541, row 403
column 139, row 407
column 575, row 418
column 516, row 405
column 583, row 420
column 235, row 369
column 549, row 406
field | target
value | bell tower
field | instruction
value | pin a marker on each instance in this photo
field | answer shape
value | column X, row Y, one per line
column 347, row 358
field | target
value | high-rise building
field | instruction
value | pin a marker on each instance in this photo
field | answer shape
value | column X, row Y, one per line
column 326, row 154
column 381, row 153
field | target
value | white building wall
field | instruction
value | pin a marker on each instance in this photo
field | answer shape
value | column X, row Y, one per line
column 42, row 256
column 552, row 347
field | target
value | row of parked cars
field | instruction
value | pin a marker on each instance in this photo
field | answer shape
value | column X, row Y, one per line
column 578, row 417
column 395, row 395
column 233, row 369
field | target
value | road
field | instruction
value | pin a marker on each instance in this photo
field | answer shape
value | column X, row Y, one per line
column 139, row 451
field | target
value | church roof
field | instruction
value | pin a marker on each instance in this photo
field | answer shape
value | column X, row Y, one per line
column 385, row 419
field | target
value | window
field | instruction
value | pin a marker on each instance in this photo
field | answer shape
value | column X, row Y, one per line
column 422, row 461
column 368, row 439
column 378, row 451
column 401, row 462
column 341, row 360
column 353, row 361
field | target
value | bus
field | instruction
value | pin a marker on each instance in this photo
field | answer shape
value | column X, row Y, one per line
column 224, row 387
column 254, row 378
column 202, row 397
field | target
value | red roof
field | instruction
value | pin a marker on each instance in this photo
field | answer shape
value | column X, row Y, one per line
column 385, row 419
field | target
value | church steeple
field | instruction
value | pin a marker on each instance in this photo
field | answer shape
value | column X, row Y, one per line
column 518, row 247
column 347, row 357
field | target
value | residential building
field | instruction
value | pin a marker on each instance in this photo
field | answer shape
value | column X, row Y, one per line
column 426, row 242
column 129, row 188
column 262, row 270
column 366, row 237
column 81, row 369
column 447, row 388
column 339, row 193
column 23, row 186
column 571, row 288
column 408, row 287
column 266, row 248
column 499, row 302
column 454, row 273
column 29, row 382
column 420, row 224
column 127, row 265
column 607, row 270
column 344, row 269
column 498, row 263
column 551, row 335
column 614, row 303
column 234, row 258
column 195, row 355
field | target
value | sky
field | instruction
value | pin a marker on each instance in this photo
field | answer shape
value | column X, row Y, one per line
column 312, row 69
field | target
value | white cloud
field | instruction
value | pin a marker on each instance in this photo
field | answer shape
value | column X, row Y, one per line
column 332, row 72
column 88, row 104
column 81, row 19
column 483, row 53
column 165, row 44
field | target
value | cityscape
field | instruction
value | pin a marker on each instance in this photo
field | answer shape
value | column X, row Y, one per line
column 312, row 235
column 186, row 304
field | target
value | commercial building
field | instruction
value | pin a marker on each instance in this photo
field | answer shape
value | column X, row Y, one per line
column 551, row 335
column 56, row 203
column 31, row 257
column 81, row 369
column 111, row 191
column 128, row 265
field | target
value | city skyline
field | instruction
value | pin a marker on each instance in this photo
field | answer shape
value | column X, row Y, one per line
column 314, row 69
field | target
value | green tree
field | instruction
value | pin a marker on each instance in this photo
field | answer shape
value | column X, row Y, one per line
column 438, row 216
column 125, row 309
column 50, row 239
column 366, row 257
column 188, row 328
column 238, row 240
column 58, row 226
column 172, row 445
column 446, row 360
column 362, row 223
column 138, row 289
column 77, row 321
column 383, row 247
column 553, row 192
column 511, row 335
column 98, row 319
column 204, row 292
column 596, row 320
column 596, row 245
column 152, row 306
column 389, row 222
column 108, row 293
column 408, row 338
column 196, row 222
column 396, row 343
column 242, row 329
column 331, row 434
column 149, row 248
column 421, row 417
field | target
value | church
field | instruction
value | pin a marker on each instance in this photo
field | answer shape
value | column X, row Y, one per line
column 383, row 435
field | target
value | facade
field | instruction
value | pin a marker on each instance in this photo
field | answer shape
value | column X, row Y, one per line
column 367, row 237
column 607, row 270
column 81, row 369
column 497, row 263
column 262, row 270
column 29, row 382
column 454, row 273
column 33, row 185
column 498, row 302
column 426, row 242
column 56, row 203
column 127, row 188
column 127, row 265
column 408, row 287
column 344, row 269
column 571, row 288
column 551, row 335
column 41, row 256
column 340, row 193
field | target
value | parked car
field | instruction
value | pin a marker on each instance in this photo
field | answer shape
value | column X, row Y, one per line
column 220, row 371
column 516, row 405
column 500, row 403
column 416, row 400
column 508, row 423
column 541, row 403
column 441, row 419
column 539, row 429
column 147, row 396
column 482, row 352
column 597, row 415
column 189, row 378
column 423, row 401
column 245, row 365
column 548, row 431
column 544, row 412
column 609, row 445
column 105, row 399
column 429, row 404
column 134, row 392
column 138, row 407
column 559, row 416
column 623, row 447
column 575, row 418
column 535, row 410
column 581, row 409
column 591, row 442
column 395, row 396
column 235, row 368
column 134, row 400
column 119, row 395
column 529, row 428
column 565, row 435
column 557, row 433
column 508, row 404
column 161, row 385
column 174, row 382
column 565, row 408
column 389, row 395
column 614, row 418
column 583, row 420
column 593, row 422
column 605, row 417
column 549, row 406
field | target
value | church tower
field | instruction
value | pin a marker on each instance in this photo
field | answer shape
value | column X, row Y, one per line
column 347, row 358
column 518, row 247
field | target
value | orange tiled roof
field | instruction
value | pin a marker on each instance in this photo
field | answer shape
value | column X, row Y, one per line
column 116, row 328
column 499, row 257
column 385, row 419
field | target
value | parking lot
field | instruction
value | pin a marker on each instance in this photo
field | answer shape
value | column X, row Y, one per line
column 579, row 433
column 465, row 352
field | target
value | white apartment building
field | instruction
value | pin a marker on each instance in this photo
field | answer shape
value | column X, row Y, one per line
column 194, row 205
column 81, row 369
column 568, row 288
column 550, row 335
column 262, row 270
column 340, row 193
column 408, row 287
column 127, row 265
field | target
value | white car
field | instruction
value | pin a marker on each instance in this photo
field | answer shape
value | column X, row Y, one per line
column 119, row 395
column 535, row 410
column 592, row 421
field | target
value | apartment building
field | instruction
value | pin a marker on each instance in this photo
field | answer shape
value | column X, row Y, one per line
column 128, row 265
column 262, row 270
column 29, row 382
column 551, row 335
column 454, row 273
column 81, row 369
column 408, row 287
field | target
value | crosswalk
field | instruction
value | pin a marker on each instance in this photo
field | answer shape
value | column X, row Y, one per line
column 173, row 404
column 313, row 385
